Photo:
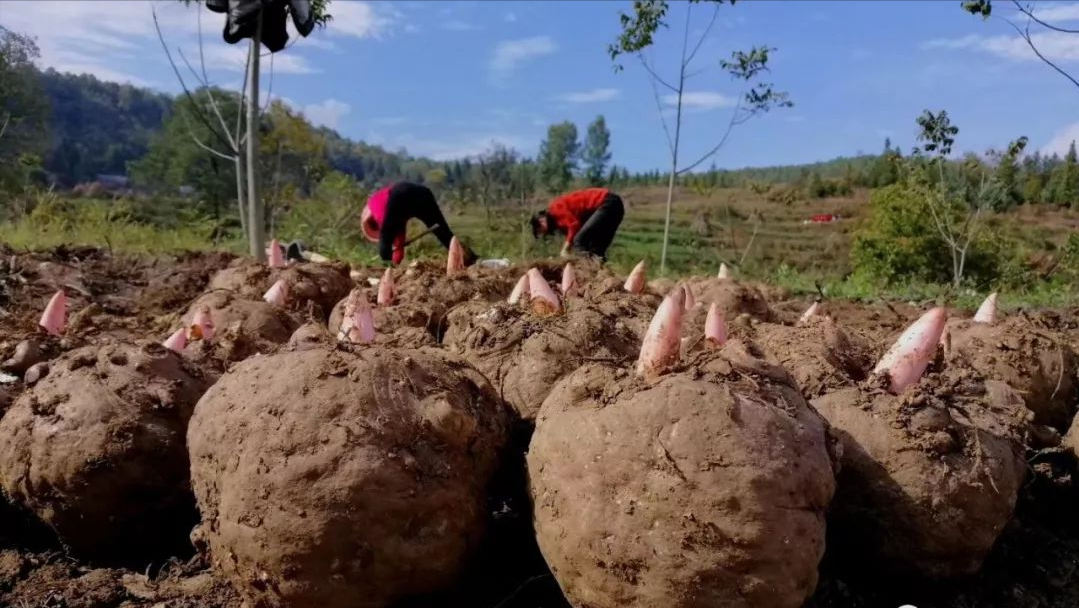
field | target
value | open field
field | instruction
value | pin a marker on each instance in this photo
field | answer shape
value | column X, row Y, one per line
column 759, row 238
column 242, row 405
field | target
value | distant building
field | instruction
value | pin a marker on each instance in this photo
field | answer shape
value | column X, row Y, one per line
column 114, row 182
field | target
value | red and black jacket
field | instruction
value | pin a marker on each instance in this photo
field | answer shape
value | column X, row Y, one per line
column 570, row 211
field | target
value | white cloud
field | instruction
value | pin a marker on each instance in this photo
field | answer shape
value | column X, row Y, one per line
column 1057, row 12
column 221, row 57
column 361, row 20
column 326, row 113
column 93, row 37
column 511, row 53
column 510, row 17
column 700, row 100
column 117, row 40
column 590, row 96
column 1062, row 139
column 315, row 40
column 1056, row 46
column 456, row 25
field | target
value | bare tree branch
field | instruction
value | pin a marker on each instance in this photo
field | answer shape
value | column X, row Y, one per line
column 696, row 73
column 202, row 145
column 1026, row 10
column 7, row 119
column 1024, row 33
column 213, row 102
column 662, row 118
column 233, row 139
column 241, row 136
column 195, row 106
column 269, row 88
column 734, row 121
column 654, row 75
column 704, row 36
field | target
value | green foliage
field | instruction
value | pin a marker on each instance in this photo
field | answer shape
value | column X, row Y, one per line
column 761, row 96
column 640, row 26
column 57, row 221
column 98, row 127
column 899, row 241
column 597, row 151
column 784, row 195
column 979, row 7
column 328, row 220
column 23, row 111
column 175, row 157
column 928, row 226
column 495, row 177
column 937, row 131
column 1063, row 186
column 558, row 156
column 818, row 187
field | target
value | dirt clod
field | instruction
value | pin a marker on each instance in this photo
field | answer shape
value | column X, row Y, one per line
column 351, row 480
column 524, row 356
column 708, row 488
column 928, row 479
column 1036, row 363
column 96, row 449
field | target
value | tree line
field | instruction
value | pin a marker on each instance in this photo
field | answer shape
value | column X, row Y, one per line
column 69, row 129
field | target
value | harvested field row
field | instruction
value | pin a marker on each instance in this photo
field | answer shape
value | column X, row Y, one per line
column 204, row 431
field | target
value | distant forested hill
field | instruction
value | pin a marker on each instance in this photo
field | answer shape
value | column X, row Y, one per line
column 98, row 127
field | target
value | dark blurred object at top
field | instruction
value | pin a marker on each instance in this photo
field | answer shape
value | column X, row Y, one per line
column 242, row 19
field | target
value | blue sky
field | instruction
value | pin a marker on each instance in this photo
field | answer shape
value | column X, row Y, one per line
column 445, row 79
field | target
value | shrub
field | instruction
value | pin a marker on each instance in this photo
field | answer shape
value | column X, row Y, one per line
column 899, row 242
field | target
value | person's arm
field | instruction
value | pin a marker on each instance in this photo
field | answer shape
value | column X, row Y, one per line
column 566, row 220
column 385, row 244
column 572, row 228
column 399, row 249
column 391, row 235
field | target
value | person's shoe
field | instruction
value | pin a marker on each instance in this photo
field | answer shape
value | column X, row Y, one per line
column 470, row 256
column 294, row 251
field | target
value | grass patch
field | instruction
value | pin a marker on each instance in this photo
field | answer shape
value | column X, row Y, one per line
column 55, row 222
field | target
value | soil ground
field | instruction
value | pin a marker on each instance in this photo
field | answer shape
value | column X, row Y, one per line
column 1035, row 564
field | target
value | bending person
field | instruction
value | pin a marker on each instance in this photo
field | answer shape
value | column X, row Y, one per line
column 386, row 216
column 589, row 218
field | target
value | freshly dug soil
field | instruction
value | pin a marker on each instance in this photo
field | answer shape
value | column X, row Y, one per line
column 708, row 488
column 427, row 282
column 309, row 284
column 426, row 322
column 50, row 579
column 609, row 297
column 350, row 481
column 1036, row 363
column 821, row 356
column 1032, row 565
column 172, row 282
column 928, row 479
column 425, row 295
column 733, row 299
column 96, row 449
column 242, row 327
column 524, row 356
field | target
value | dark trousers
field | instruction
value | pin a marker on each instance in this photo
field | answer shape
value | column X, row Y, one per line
column 407, row 201
column 596, row 234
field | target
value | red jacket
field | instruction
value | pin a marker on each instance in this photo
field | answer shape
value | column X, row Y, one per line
column 571, row 210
